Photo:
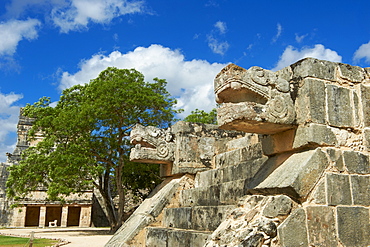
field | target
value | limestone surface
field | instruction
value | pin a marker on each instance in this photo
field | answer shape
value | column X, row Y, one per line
column 299, row 176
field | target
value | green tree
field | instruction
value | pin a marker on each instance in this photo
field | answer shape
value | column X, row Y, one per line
column 200, row 116
column 86, row 139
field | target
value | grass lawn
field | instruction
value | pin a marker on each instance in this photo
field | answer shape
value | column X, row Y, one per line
column 21, row 242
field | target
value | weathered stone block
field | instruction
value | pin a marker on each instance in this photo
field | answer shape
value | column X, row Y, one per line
column 238, row 156
column 365, row 99
column 366, row 135
column 310, row 102
column 189, row 197
column 338, row 189
column 278, row 205
column 314, row 135
column 356, row 162
column 198, row 239
column 339, row 106
column 353, row 226
column 242, row 142
column 156, row 237
column 208, row 218
column 231, row 192
column 293, row 232
column 310, row 67
column 357, row 121
column 360, row 190
column 209, row 178
column 297, row 176
column 278, row 143
column 245, row 170
column 178, row 238
column 354, row 74
column 193, row 154
column 319, row 193
column 209, row 196
column 321, row 226
column 178, row 217
column 228, row 158
column 336, row 157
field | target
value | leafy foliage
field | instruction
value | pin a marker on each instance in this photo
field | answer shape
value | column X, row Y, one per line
column 86, row 139
column 200, row 116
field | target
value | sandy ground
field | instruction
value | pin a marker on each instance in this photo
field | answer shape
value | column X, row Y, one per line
column 77, row 237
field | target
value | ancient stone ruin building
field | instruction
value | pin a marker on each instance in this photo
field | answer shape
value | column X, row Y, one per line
column 288, row 164
column 81, row 210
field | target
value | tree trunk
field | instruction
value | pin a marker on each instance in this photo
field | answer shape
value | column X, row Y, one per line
column 121, row 195
column 107, row 202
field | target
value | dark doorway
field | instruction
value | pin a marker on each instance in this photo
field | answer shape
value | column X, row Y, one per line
column 32, row 216
column 52, row 214
column 73, row 218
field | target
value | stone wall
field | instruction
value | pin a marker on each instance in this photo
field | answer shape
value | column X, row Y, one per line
column 302, row 180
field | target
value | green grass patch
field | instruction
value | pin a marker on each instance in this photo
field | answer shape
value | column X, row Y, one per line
column 21, row 242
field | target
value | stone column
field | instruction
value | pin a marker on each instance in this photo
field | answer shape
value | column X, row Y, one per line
column 85, row 216
column 19, row 216
column 64, row 216
column 42, row 216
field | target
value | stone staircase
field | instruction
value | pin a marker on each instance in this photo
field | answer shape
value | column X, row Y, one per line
column 215, row 195
column 196, row 210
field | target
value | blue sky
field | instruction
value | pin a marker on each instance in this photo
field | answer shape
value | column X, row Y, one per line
column 49, row 45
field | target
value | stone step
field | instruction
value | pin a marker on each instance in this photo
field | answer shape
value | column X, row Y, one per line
column 196, row 218
column 237, row 156
column 221, row 194
column 171, row 237
column 243, row 170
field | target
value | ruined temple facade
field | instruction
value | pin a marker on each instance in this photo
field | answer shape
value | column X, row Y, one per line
column 288, row 164
column 81, row 210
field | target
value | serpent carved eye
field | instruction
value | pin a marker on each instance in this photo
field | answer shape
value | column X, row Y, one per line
column 163, row 150
column 282, row 85
column 278, row 107
column 258, row 75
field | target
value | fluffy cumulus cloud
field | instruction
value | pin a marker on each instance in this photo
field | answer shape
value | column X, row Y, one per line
column 76, row 14
column 191, row 82
column 292, row 55
column 71, row 15
column 363, row 52
column 13, row 31
column 8, row 121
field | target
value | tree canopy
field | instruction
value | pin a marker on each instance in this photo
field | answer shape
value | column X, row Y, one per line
column 200, row 116
column 86, row 139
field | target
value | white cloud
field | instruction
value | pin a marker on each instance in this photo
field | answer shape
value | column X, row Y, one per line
column 76, row 14
column 13, row 31
column 70, row 15
column 8, row 122
column 279, row 30
column 191, row 82
column 16, row 8
column 299, row 38
column 292, row 55
column 221, row 26
column 363, row 52
column 217, row 46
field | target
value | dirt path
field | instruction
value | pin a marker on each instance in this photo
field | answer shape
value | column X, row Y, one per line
column 77, row 237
